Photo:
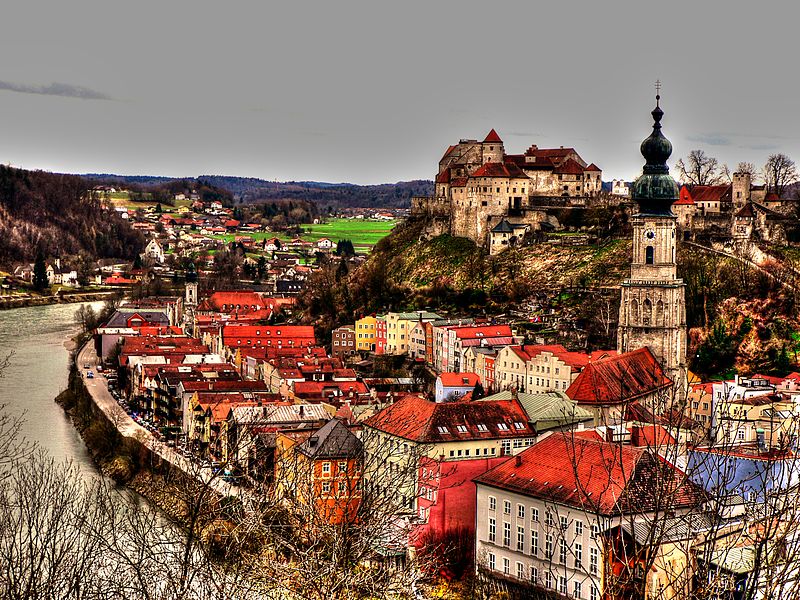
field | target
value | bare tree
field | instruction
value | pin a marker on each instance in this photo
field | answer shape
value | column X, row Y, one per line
column 748, row 168
column 700, row 169
column 779, row 172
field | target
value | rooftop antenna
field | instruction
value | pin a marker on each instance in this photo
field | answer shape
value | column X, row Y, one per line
column 658, row 91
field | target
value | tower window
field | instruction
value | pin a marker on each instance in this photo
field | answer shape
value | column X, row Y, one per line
column 648, row 255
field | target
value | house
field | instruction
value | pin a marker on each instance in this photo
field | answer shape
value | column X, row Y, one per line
column 321, row 473
column 452, row 386
column 153, row 251
column 343, row 341
column 506, row 235
column 325, row 244
column 610, row 386
column 365, row 334
column 422, row 455
column 548, row 517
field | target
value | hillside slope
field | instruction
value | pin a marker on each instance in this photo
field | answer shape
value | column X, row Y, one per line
column 55, row 214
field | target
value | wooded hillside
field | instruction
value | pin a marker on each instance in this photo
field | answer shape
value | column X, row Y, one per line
column 58, row 215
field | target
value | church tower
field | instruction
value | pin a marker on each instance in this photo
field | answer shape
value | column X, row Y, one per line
column 652, row 310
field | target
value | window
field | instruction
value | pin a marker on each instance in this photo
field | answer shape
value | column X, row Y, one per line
column 534, row 574
column 506, row 566
column 548, row 546
column 648, row 255
column 595, row 530
column 341, row 488
column 326, row 469
column 482, row 428
column 461, row 428
column 502, row 427
column 534, row 514
column 341, row 467
column 563, row 522
column 593, row 558
column 549, row 519
column 520, row 539
column 577, row 550
column 548, row 580
column 492, row 503
column 492, row 563
column 578, row 527
column 442, row 429
column 506, row 446
column 507, row 534
column 492, row 529
column 534, row 543
column 562, row 585
column 326, row 487
column 520, row 571
column 518, row 425
column 593, row 595
column 520, row 511
column 506, row 507
column 562, row 551
column 576, row 592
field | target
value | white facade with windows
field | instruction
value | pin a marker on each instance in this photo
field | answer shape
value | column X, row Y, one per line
column 549, row 545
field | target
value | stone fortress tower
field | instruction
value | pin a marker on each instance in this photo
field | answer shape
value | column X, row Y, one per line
column 652, row 310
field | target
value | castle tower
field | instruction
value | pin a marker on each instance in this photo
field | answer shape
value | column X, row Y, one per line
column 493, row 150
column 740, row 192
column 652, row 309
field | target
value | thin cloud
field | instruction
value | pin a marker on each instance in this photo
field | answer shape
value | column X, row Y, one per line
column 64, row 90
column 712, row 139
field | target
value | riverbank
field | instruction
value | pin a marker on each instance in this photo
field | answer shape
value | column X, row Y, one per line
column 7, row 303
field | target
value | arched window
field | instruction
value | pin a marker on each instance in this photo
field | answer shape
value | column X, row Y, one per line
column 660, row 313
column 635, row 310
column 647, row 311
column 648, row 255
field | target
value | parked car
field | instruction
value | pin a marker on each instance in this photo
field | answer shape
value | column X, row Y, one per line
column 89, row 375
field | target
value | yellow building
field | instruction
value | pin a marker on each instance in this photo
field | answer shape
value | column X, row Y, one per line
column 365, row 334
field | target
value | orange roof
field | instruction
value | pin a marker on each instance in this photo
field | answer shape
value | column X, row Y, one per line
column 595, row 475
column 498, row 169
column 619, row 379
column 459, row 379
column 569, row 167
column 593, row 167
column 415, row 418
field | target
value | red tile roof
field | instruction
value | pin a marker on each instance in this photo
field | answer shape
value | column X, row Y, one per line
column 593, row 167
column 594, row 475
column 710, row 193
column 443, row 177
column 492, row 137
column 569, row 167
column 268, row 335
column 459, row 379
column 576, row 360
column 498, row 169
column 481, row 331
column 619, row 379
column 420, row 420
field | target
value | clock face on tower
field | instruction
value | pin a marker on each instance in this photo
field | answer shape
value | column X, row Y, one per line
column 650, row 234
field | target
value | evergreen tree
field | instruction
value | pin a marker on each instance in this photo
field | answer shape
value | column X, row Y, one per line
column 40, row 272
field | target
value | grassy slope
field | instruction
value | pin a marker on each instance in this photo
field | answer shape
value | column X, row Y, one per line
column 362, row 232
column 457, row 263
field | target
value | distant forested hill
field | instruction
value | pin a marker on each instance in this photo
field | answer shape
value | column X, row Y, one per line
column 57, row 215
column 249, row 190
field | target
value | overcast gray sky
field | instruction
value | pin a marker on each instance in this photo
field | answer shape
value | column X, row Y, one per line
column 371, row 92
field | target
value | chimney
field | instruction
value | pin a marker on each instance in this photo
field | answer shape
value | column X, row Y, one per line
column 300, row 409
column 518, row 460
column 761, row 438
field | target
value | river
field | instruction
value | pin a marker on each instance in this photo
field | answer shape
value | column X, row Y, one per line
column 37, row 372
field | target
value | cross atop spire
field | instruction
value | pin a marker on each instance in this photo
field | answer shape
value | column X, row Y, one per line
column 658, row 91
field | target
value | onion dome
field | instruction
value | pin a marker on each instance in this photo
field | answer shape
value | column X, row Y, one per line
column 655, row 190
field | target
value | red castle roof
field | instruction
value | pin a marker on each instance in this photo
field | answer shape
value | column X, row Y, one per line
column 492, row 137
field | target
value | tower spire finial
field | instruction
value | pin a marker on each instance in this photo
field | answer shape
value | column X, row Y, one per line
column 658, row 91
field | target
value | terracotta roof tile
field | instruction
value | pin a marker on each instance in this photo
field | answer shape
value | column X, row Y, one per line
column 492, row 137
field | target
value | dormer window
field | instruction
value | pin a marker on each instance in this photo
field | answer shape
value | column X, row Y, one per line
column 461, row 428
column 442, row 429
column 502, row 427
column 482, row 427
column 518, row 425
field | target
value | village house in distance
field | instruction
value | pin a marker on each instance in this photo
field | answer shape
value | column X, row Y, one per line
column 491, row 197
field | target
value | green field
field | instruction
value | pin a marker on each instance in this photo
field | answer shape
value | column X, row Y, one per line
column 363, row 233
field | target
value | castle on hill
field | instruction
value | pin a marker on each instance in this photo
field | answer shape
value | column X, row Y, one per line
column 490, row 197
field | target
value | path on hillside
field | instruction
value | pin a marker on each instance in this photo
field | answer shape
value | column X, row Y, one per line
column 745, row 261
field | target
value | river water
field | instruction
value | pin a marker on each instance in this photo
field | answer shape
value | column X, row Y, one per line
column 37, row 372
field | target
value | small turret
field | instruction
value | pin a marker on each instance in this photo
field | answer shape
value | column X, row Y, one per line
column 493, row 150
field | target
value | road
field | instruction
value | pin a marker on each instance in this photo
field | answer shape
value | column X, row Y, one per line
column 98, row 389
